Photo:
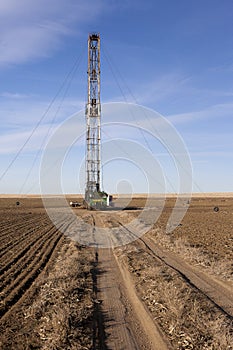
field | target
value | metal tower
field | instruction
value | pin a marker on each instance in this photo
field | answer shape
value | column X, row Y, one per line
column 93, row 116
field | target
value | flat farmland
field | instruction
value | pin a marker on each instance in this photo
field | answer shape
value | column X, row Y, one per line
column 161, row 291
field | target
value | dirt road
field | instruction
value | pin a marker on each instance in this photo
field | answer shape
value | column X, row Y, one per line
column 127, row 324
column 144, row 295
column 122, row 321
column 127, row 320
column 221, row 294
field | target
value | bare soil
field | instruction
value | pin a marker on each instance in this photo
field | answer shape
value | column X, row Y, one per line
column 150, row 294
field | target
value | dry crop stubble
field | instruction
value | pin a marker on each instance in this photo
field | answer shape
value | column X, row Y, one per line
column 204, row 237
column 57, row 310
column 187, row 318
column 65, row 302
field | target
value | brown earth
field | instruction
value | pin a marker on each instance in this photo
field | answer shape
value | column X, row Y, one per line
column 159, row 292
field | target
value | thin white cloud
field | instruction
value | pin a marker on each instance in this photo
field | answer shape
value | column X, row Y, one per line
column 161, row 88
column 215, row 111
column 29, row 42
column 225, row 67
column 34, row 29
column 211, row 154
column 179, row 89
column 22, row 111
column 12, row 142
column 13, row 95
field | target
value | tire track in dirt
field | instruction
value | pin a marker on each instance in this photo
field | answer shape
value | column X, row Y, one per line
column 214, row 290
column 118, row 330
column 127, row 324
column 220, row 295
column 98, row 332
column 99, row 336
column 111, row 330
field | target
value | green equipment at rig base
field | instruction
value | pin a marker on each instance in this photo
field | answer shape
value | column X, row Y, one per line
column 99, row 200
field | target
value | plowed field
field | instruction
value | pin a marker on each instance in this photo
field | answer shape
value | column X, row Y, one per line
column 162, row 291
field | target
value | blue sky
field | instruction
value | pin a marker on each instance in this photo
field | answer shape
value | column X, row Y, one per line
column 175, row 57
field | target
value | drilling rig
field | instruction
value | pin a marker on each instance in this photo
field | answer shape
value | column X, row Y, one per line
column 95, row 198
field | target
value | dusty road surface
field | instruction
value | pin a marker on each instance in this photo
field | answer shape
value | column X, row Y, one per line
column 127, row 324
column 161, row 291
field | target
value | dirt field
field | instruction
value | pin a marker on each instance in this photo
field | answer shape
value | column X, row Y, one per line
column 162, row 291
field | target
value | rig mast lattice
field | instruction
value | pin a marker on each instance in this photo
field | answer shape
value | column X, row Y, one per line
column 93, row 119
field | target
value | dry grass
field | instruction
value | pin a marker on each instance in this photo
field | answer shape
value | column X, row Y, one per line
column 186, row 317
column 221, row 268
column 64, row 307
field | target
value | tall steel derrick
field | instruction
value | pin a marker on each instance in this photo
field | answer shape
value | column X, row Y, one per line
column 93, row 119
